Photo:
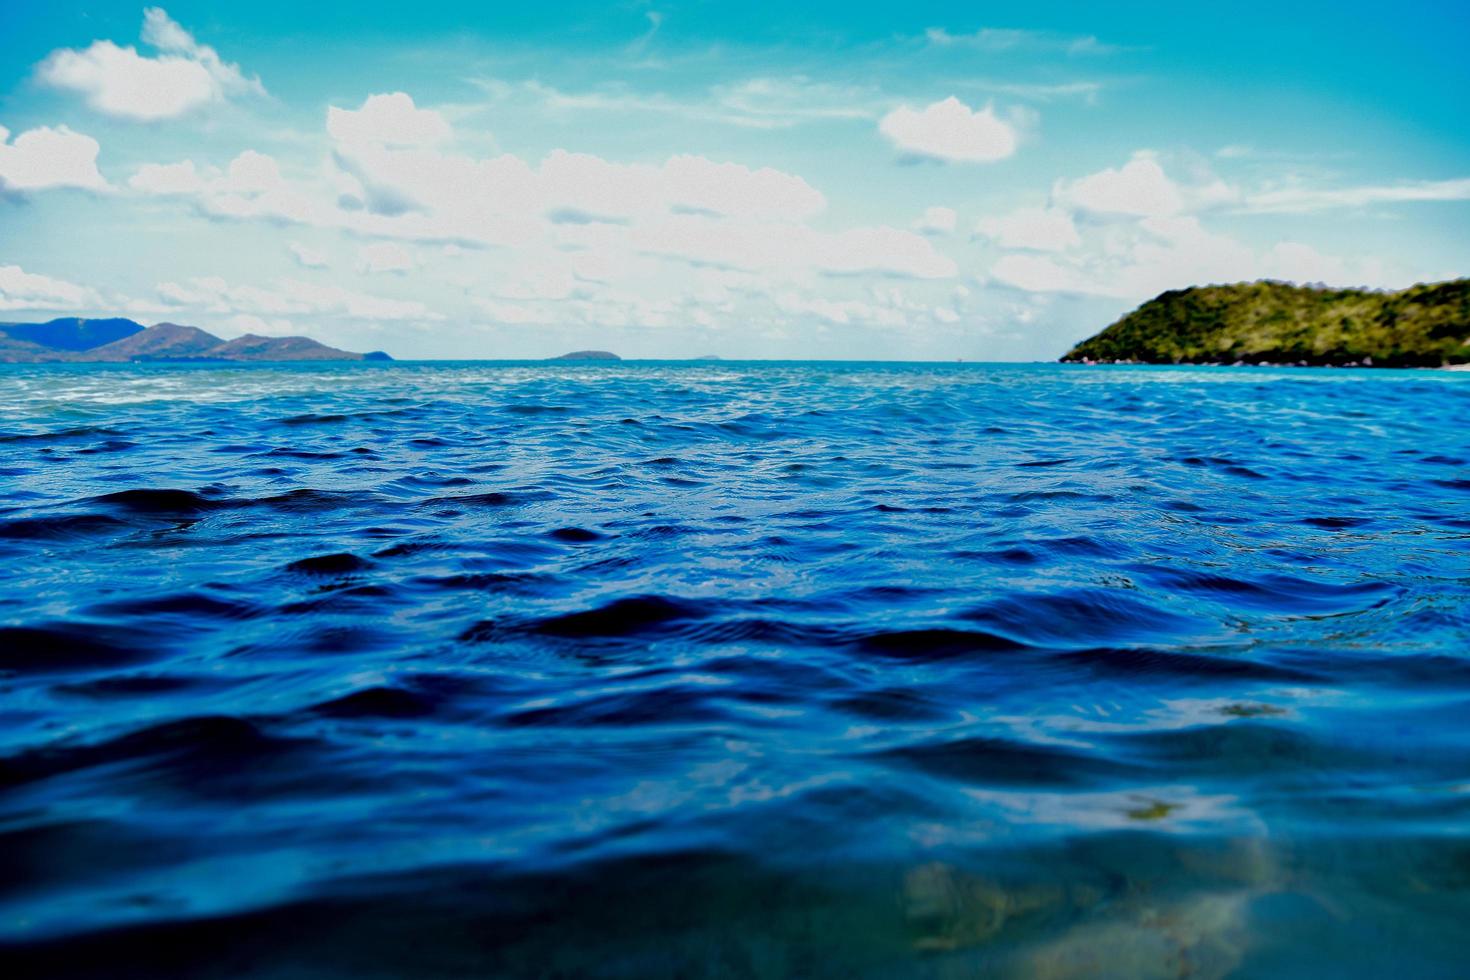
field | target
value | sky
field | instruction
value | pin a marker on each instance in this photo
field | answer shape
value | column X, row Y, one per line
column 927, row 181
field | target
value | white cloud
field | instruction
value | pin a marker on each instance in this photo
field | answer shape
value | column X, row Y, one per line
column 1043, row 274
column 1142, row 188
column 167, row 179
column 307, row 258
column 705, row 212
column 1175, row 251
column 1303, row 199
column 950, row 131
column 21, row 290
column 44, row 158
column 384, row 257
column 1039, row 229
column 730, row 189
column 937, row 221
column 250, row 187
column 288, row 297
column 388, row 120
column 1138, row 188
column 118, row 81
column 838, row 312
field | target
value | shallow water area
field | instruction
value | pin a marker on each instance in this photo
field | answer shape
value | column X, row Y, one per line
column 733, row 669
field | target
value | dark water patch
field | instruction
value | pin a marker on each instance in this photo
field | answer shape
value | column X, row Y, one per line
column 1005, row 762
column 407, row 548
column 312, row 419
column 490, row 498
column 1086, row 618
column 307, row 500
column 524, row 409
column 108, row 446
column 695, row 913
column 377, row 702
column 673, row 705
column 1272, row 591
column 574, row 535
column 1201, row 668
column 1336, row 523
column 761, row 631
column 898, row 705
column 202, row 748
column 290, row 452
column 60, row 647
column 628, row 617
column 135, row 686
column 1244, row 748
column 338, row 563
column 482, row 582
column 936, row 644
column 662, row 531
column 183, row 604
column 60, row 527
column 60, row 435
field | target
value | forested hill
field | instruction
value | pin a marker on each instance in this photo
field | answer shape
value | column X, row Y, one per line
column 1278, row 323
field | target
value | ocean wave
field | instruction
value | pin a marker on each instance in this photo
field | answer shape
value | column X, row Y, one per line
column 662, row 670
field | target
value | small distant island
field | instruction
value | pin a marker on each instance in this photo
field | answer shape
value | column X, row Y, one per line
column 588, row 355
column 119, row 340
column 1280, row 323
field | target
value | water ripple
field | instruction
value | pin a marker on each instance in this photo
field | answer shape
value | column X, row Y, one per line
column 741, row 670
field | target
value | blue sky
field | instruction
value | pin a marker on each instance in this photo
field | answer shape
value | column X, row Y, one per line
column 918, row 180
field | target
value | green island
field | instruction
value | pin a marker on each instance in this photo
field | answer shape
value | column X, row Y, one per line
column 1280, row 323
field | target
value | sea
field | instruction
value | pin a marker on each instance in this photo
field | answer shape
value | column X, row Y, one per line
column 726, row 669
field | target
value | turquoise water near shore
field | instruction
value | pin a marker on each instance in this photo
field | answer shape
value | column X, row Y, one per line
column 733, row 669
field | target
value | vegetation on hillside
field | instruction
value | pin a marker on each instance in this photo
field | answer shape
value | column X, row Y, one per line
column 1278, row 323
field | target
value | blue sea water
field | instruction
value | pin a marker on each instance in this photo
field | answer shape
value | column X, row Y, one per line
column 738, row 670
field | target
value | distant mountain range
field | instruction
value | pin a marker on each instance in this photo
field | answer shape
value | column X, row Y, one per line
column 77, row 340
column 1278, row 323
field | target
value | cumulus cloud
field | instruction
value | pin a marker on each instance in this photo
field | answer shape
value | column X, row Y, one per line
column 702, row 211
column 250, row 186
column 384, row 257
column 937, row 221
column 44, row 158
column 1139, row 188
column 689, row 241
column 1038, row 229
column 21, row 290
column 118, row 81
column 388, row 120
column 950, row 131
column 1142, row 188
